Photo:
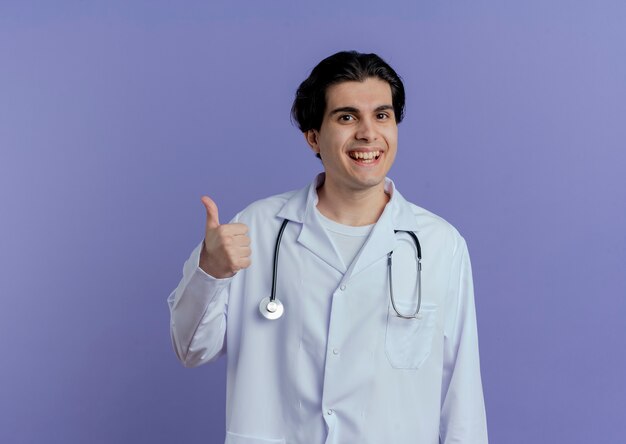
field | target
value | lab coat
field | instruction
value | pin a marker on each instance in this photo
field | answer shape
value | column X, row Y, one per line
column 339, row 366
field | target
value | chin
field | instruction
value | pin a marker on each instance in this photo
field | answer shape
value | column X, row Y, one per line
column 371, row 182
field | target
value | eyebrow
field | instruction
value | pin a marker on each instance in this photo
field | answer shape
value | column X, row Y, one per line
column 350, row 109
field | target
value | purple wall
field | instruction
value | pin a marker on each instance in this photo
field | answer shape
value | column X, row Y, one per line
column 116, row 118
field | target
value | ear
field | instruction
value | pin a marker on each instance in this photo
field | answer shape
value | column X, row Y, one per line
column 312, row 137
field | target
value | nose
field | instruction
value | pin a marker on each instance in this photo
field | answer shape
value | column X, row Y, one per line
column 366, row 130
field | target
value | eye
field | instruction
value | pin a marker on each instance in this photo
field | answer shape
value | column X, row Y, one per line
column 346, row 117
column 382, row 116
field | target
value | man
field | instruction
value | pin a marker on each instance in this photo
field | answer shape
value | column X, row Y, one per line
column 369, row 348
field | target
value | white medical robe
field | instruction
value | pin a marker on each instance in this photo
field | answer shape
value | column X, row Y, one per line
column 340, row 367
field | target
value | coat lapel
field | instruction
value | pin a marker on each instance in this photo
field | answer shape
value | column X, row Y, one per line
column 397, row 215
column 301, row 208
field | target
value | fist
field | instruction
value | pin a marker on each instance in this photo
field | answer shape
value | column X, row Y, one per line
column 226, row 248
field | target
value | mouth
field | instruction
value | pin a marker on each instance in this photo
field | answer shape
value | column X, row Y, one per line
column 365, row 157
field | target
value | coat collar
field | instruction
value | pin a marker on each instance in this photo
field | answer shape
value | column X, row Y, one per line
column 397, row 215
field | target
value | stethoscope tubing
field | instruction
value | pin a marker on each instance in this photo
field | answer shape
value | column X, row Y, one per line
column 271, row 308
column 419, row 277
column 276, row 248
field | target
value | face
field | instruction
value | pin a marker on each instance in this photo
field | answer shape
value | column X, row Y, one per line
column 358, row 137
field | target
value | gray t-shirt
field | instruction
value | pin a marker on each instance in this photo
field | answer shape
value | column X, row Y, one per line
column 348, row 240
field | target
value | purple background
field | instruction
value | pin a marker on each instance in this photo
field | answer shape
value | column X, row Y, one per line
column 115, row 117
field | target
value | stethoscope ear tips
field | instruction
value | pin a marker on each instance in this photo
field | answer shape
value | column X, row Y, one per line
column 271, row 309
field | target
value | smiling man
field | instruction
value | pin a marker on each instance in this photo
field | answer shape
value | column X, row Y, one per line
column 346, row 313
column 357, row 142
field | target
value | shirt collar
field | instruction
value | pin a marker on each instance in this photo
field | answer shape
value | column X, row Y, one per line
column 397, row 214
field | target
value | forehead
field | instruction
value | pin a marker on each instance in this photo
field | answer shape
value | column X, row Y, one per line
column 369, row 94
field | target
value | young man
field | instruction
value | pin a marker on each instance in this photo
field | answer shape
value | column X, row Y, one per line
column 360, row 345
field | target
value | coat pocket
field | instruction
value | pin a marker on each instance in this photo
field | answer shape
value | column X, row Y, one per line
column 235, row 438
column 408, row 342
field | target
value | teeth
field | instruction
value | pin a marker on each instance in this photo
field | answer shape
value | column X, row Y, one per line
column 364, row 156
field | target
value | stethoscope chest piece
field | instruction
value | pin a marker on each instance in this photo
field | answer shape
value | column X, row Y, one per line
column 271, row 309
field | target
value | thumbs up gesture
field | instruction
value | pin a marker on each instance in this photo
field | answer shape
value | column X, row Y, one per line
column 226, row 248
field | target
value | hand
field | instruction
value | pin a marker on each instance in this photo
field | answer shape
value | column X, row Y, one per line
column 226, row 248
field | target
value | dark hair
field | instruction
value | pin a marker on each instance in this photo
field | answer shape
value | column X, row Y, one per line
column 309, row 104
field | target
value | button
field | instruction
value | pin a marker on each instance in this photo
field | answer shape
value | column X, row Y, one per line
column 335, row 351
column 342, row 288
column 329, row 412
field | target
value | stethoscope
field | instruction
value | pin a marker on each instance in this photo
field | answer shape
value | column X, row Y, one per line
column 271, row 308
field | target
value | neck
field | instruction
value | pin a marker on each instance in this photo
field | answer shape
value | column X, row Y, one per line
column 351, row 207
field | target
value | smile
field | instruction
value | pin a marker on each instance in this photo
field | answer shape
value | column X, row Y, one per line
column 364, row 156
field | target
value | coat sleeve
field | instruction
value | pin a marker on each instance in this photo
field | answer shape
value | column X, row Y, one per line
column 463, row 418
column 198, row 309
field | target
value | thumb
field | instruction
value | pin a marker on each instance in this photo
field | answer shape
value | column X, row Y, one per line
column 212, row 215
